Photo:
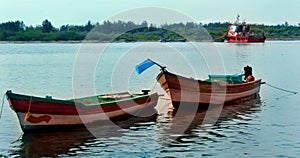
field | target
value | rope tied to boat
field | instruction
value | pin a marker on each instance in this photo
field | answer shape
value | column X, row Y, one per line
column 278, row 88
column 149, row 98
column 28, row 112
column 2, row 104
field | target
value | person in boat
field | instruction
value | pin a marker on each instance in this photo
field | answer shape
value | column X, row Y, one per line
column 248, row 74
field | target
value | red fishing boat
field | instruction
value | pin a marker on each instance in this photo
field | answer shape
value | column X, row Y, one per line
column 219, row 89
column 193, row 94
column 37, row 112
column 243, row 33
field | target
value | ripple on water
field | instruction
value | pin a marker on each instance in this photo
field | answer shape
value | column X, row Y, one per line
column 267, row 128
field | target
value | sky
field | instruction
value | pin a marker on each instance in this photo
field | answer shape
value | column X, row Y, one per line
column 79, row 12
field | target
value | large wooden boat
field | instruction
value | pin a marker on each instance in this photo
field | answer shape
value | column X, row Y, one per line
column 218, row 89
column 37, row 112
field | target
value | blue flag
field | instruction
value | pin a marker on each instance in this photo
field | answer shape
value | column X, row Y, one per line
column 144, row 66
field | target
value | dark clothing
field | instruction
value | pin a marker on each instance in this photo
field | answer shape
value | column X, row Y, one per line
column 248, row 71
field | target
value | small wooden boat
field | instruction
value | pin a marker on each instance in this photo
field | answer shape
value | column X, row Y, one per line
column 219, row 39
column 218, row 89
column 37, row 112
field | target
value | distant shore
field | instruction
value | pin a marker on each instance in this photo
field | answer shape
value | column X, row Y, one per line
column 127, row 31
column 73, row 41
column 94, row 41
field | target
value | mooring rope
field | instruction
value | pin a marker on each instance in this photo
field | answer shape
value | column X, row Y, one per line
column 151, row 90
column 293, row 92
column 28, row 112
column 2, row 104
column 153, row 87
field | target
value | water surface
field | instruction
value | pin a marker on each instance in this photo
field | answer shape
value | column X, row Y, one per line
column 264, row 127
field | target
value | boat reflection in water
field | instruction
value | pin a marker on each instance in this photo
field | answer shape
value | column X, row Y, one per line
column 78, row 140
column 180, row 128
column 178, row 131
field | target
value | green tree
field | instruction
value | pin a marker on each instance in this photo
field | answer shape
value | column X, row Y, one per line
column 88, row 27
column 47, row 26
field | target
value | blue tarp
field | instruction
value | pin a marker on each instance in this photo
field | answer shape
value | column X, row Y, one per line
column 230, row 78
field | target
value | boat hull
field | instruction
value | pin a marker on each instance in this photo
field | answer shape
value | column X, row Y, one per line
column 190, row 92
column 41, row 113
column 244, row 39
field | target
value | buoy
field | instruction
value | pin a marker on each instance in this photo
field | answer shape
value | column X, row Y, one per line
column 250, row 78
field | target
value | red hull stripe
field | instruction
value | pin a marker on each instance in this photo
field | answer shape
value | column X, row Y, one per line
column 71, row 109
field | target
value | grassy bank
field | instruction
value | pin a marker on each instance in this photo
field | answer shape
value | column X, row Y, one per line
column 121, row 31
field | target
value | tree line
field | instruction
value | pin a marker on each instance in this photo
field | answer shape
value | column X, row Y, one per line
column 130, row 31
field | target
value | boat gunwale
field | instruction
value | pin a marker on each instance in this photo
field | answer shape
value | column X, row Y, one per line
column 206, row 82
column 74, row 102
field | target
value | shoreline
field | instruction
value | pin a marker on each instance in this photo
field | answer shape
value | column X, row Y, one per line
column 93, row 41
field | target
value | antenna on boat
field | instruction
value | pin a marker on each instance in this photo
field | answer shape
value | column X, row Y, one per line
column 237, row 19
column 162, row 67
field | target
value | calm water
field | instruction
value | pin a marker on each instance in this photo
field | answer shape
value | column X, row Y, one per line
column 267, row 127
